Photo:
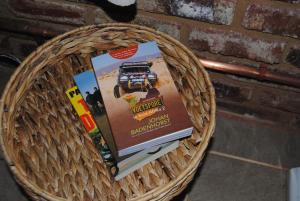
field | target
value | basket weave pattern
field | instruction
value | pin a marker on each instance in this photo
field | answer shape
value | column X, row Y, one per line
column 47, row 147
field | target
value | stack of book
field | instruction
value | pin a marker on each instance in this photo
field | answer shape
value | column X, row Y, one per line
column 130, row 106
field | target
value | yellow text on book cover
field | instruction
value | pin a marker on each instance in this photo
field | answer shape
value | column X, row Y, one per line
column 82, row 109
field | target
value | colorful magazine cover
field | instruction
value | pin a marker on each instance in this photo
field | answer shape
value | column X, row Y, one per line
column 87, row 85
column 143, row 105
column 90, row 125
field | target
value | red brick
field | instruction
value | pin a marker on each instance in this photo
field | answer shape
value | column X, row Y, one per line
column 156, row 6
column 81, row 1
column 217, row 11
column 290, row 1
column 261, row 113
column 231, row 92
column 97, row 16
column 9, row 22
column 293, row 56
column 236, row 44
column 17, row 46
column 34, row 27
column 54, row 11
column 280, row 21
column 251, row 98
column 171, row 28
column 278, row 99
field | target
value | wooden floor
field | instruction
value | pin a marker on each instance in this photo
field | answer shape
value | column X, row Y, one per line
column 247, row 160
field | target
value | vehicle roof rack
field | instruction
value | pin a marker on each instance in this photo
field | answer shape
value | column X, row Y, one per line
column 136, row 64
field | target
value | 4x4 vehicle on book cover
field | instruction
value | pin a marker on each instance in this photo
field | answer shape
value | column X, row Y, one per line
column 134, row 76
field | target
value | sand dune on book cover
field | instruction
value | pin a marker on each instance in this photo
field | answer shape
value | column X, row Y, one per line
column 139, row 116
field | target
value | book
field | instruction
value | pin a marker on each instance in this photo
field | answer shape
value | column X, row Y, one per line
column 88, row 86
column 143, row 157
column 119, row 166
column 143, row 105
column 90, row 125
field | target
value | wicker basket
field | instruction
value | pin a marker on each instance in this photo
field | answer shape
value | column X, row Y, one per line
column 48, row 149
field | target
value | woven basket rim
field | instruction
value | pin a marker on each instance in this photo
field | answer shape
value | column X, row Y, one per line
column 154, row 192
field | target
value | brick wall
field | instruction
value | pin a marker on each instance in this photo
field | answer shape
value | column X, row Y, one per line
column 250, row 32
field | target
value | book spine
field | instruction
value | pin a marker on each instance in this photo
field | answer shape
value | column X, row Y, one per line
column 90, row 125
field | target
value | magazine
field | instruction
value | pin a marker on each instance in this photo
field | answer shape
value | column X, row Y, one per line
column 90, row 125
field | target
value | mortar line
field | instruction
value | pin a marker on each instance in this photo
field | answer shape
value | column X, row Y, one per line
column 248, row 160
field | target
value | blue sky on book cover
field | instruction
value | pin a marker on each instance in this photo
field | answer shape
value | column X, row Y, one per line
column 105, row 63
column 86, row 81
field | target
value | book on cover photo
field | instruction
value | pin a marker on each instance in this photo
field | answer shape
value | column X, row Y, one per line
column 91, row 102
column 143, row 105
